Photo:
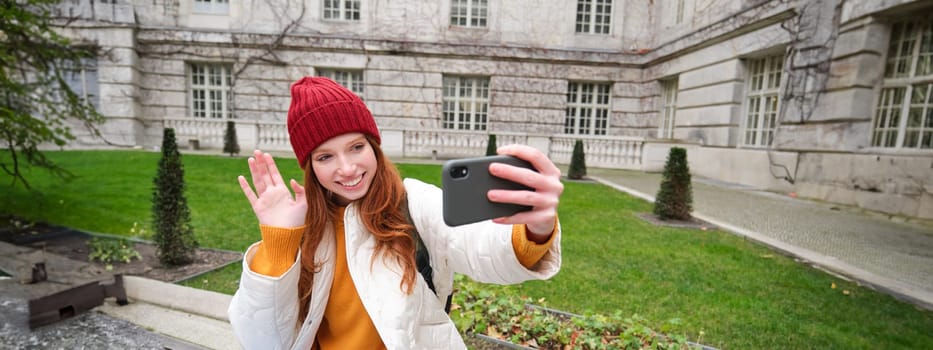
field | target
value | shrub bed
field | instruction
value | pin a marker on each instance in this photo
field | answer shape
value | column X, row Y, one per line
column 516, row 319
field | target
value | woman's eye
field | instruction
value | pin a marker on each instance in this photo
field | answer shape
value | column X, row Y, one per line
column 323, row 157
column 357, row 147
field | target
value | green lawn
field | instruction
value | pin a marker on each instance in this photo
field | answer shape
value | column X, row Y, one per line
column 738, row 294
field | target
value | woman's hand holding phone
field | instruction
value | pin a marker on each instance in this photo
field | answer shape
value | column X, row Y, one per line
column 272, row 202
column 543, row 198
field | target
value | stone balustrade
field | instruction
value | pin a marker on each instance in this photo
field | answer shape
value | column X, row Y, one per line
column 453, row 143
column 209, row 133
column 203, row 133
column 614, row 152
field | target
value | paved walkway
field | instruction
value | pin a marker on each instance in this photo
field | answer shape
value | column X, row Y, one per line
column 890, row 256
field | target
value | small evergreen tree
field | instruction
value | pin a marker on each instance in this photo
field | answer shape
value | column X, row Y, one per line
column 231, row 146
column 491, row 146
column 171, row 217
column 675, row 197
column 577, row 162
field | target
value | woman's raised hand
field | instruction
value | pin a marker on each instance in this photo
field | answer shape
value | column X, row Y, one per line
column 543, row 200
column 272, row 202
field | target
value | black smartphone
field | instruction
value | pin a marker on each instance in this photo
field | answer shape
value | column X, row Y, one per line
column 466, row 182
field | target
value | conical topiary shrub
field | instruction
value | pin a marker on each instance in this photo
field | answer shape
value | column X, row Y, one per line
column 491, row 146
column 174, row 236
column 577, row 162
column 231, row 146
column 675, row 197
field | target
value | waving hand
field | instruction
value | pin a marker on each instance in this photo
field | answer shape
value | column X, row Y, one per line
column 272, row 201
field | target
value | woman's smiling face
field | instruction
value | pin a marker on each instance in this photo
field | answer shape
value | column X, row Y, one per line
column 345, row 165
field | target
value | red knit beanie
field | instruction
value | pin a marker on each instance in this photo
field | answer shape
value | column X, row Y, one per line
column 322, row 109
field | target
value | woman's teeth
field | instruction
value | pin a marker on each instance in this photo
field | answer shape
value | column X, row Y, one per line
column 352, row 183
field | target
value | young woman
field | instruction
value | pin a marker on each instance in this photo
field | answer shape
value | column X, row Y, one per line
column 336, row 265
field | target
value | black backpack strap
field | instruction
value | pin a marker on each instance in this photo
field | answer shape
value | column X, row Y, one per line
column 423, row 259
column 422, row 256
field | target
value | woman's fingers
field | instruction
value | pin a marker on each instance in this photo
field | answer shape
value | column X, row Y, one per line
column 544, row 181
column 272, row 202
column 299, row 191
column 274, row 176
column 536, row 217
column 547, row 176
column 264, row 172
column 248, row 191
column 537, row 159
column 545, row 184
column 257, row 171
column 538, row 181
column 529, row 198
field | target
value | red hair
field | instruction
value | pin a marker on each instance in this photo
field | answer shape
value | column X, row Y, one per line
column 381, row 213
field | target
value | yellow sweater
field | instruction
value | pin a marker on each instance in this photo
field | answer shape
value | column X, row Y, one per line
column 346, row 324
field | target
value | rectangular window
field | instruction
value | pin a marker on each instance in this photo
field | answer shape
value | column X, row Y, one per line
column 465, row 103
column 210, row 90
column 347, row 10
column 904, row 117
column 762, row 100
column 212, row 7
column 594, row 16
column 668, row 109
column 587, row 109
column 468, row 13
column 350, row 79
column 82, row 79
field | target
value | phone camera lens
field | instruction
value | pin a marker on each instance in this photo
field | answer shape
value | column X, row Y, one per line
column 459, row 172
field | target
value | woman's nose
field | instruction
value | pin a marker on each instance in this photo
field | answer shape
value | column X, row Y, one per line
column 345, row 165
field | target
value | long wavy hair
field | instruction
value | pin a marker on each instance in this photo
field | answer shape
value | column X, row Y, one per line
column 381, row 213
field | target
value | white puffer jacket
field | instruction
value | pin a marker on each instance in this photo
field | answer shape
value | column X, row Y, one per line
column 264, row 310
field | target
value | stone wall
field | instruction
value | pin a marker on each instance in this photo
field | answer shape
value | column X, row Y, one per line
column 403, row 90
column 897, row 184
column 117, row 77
column 521, row 23
column 711, row 85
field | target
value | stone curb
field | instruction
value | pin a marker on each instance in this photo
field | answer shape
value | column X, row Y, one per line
column 195, row 316
column 177, row 297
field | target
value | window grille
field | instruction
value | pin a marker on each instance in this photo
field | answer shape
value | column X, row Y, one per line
column 210, row 90
column 213, row 7
column 82, row 79
column 594, row 16
column 587, row 109
column 904, row 116
column 350, row 79
column 468, row 13
column 465, row 103
column 668, row 109
column 347, row 10
column 762, row 100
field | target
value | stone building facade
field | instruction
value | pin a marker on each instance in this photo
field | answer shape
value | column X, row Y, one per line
column 828, row 99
